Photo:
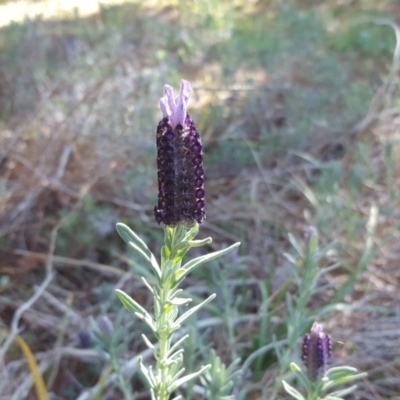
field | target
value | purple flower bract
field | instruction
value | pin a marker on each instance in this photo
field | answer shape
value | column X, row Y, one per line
column 179, row 162
column 316, row 351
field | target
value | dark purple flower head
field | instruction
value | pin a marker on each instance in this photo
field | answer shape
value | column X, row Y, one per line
column 85, row 339
column 179, row 162
column 316, row 351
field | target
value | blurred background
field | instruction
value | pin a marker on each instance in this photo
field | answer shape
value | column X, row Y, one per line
column 298, row 106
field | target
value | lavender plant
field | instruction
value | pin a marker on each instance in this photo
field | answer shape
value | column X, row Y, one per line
column 306, row 274
column 181, row 207
column 316, row 347
column 111, row 343
column 219, row 379
column 317, row 380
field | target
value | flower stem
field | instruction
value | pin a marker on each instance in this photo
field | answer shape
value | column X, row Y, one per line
column 165, row 315
column 164, row 343
column 168, row 374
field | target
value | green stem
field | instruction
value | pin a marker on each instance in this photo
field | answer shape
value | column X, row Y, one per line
column 165, row 318
column 168, row 374
column 164, row 342
column 316, row 390
column 312, row 396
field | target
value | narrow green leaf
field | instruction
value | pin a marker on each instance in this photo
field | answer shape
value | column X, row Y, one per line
column 168, row 362
column 233, row 368
column 179, row 373
column 343, row 392
column 191, row 265
column 147, row 342
column 129, row 303
column 165, row 252
column 140, row 246
column 167, row 272
column 128, row 236
column 300, row 376
column 176, row 293
column 192, row 233
column 290, row 258
column 292, row 391
column 344, row 379
column 176, row 357
column 176, row 368
column 136, row 308
column 184, row 379
column 168, row 236
column 293, row 241
column 152, row 376
column 179, row 301
column 199, row 243
column 147, row 373
column 294, row 367
column 313, row 245
column 188, row 313
column 147, row 285
column 177, row 344
column 340, row 371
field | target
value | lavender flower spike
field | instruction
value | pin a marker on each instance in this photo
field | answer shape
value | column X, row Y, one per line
column 316, row 351
column 179, row 162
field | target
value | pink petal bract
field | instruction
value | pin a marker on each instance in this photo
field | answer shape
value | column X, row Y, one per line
column 175, row 108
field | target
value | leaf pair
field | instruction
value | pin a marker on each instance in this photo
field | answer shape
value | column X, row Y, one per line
column 315, row 389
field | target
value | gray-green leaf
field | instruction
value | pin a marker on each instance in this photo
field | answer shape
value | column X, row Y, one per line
column 292, row 391
column 140, row 246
